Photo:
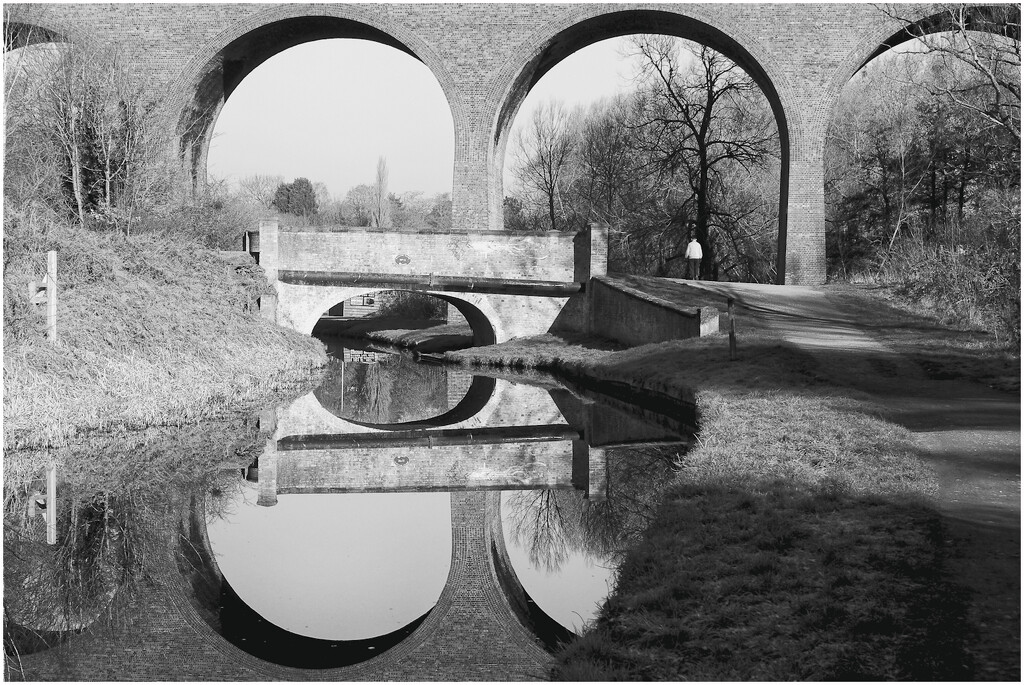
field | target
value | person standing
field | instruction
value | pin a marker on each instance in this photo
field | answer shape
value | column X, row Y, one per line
column 693, row 256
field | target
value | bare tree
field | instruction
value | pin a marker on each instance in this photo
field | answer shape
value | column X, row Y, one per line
column 696, row 122
column 380, row 212
column 987, row 41
column 545, row 158
column 260, row 189
column 89, row 106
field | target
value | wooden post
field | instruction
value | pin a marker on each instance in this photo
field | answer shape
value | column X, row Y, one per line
column 51, row 295
column 46, row 294
column 51, row 505
column 732, row 331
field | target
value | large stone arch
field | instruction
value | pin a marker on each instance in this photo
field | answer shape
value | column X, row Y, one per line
column 699, row 23
column 200, row 92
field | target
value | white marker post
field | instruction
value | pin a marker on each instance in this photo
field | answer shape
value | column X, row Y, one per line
column 46, row 294
column 51, row 505
column 51, row 295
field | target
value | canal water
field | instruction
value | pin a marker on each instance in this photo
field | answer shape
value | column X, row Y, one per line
column 398, row 510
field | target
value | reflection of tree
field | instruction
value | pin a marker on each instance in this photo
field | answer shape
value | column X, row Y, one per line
column 635, row 477
column 376, row 390
column 551, row 524
column 101, row 549
column 392, row 391
column 117, row 499
column 546, row 523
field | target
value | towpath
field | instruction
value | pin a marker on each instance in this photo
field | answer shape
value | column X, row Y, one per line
column 970, row 433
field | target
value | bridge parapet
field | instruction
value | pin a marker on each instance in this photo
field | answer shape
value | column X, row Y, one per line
column 548, row 256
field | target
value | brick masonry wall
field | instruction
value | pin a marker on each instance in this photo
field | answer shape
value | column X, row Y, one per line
column 545, row 257
column 633, row 317
column 485, row 56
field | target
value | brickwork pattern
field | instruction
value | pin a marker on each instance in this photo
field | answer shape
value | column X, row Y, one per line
column 485, row 58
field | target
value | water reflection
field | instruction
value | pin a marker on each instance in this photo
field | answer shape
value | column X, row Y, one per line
column 412, row 505
column 565, row 571
column 379, row 386
column 66, row 558
column 335, row 566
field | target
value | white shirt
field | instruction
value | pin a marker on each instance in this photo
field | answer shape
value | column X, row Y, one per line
column 693, row 251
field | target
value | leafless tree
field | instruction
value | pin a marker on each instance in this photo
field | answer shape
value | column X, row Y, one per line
column 545, row 158
column 695, row 122
column 260, row 189
column 89, row 104
column 380, row 212
column 987, row 41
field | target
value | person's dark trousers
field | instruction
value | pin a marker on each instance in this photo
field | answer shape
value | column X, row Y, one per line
column 693, row 269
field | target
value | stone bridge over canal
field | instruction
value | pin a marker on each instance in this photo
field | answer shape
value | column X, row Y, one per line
column 487, row 56
column 505, row 285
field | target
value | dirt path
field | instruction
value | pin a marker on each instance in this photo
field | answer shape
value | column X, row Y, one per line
column 968, row 432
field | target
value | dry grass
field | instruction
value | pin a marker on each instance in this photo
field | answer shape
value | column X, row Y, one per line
column 151, row 331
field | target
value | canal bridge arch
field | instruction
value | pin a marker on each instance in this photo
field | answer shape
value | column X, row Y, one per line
column 487, row 56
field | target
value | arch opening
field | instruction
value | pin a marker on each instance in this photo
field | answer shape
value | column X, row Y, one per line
column 224, row 73
column 21, row 35
column 922, row 163
column 999, row 20
column 660, row 23
column 416, row 319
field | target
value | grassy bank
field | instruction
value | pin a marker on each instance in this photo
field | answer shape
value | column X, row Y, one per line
column 151, row 331
column 795, row 541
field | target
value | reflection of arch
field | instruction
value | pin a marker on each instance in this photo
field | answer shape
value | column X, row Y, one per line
column 469, row 591
column 565, row 40
column 222, row 610
column 530, row 615
column 476, row 398
column 264, row 640
column 216, row 71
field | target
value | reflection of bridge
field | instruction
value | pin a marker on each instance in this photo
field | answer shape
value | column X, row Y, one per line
column 483, row 625
column 521, row 436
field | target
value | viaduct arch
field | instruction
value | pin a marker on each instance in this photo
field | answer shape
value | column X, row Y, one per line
column 486, row 57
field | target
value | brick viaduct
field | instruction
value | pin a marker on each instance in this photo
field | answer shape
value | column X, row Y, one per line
column 486, row 57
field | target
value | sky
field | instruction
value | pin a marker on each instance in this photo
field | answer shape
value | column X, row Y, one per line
column 327, row 110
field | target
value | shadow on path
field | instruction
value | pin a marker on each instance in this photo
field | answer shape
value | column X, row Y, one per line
column 969, row 433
